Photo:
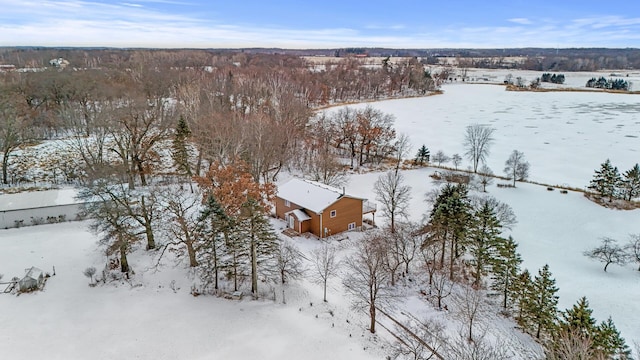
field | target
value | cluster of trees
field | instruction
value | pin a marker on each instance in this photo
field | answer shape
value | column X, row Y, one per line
column 364, row 135
column 552, row 78
column 608, row 183
column 578, row 336
column 254, row 107
column 464, row 233
column 222, row 228
column 604, row 83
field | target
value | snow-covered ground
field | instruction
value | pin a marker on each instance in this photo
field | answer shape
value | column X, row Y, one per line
column 565, row 136
column 70, row 320
column 555, row 229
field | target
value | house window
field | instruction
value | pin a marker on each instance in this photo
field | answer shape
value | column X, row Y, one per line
column 333, row 213
column 287, row 203
column 351, row 226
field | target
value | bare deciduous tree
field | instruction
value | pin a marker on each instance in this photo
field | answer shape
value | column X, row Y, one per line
column 325, row 266
column 469, row 308
column 402, row 146
column 485, row 177
column 440, row 157
column 441, row 287
column 609, row 252
column 288, row 264
column 457, row 160
column 394, row 196
column 516, row 167
column 367, row 278
column 477, row 143
column 88, row 272
column 183, row 225
column 633, row 248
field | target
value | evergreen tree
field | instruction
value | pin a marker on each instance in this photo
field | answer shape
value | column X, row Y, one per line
column 505, row 266
column 578, row 319
column 260, row 240
column 449, row 220
column 180, row 149
column 631, row 183
column 216, row 228
column 609, row 342
column 541, row 306
column 522, row 288
column 423, row 155
column 606, row 180
column 482, row 238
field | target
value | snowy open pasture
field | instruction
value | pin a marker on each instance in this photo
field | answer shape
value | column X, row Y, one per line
column 564, row 135
column 157, row 319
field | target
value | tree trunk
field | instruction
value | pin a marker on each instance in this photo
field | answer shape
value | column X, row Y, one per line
column 451, row 259
column 372, row 314
column 254, row 265
column 151, row 243
column 124, row 264
column 193, row 262
column 325, row 291
column 5, row 164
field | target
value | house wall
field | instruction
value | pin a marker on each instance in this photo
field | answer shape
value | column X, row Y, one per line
column 348, row 211
column 281, row 209
column 37, row 216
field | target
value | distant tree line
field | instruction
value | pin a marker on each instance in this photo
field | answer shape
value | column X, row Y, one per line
column 118, row 106
column 604, row 83
column 552, row 78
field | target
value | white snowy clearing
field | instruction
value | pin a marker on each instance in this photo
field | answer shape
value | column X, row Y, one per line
column 565, row 136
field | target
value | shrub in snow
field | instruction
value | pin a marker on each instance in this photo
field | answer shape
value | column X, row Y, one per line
column 89, row 272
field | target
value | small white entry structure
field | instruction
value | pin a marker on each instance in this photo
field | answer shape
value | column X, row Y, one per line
column 32, row 280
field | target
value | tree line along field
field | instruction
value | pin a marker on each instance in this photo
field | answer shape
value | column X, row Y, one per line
column 182, row 162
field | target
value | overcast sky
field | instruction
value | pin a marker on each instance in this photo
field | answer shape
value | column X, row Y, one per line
column 321, row 24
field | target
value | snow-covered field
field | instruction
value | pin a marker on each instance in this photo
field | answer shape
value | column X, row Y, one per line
column 565, row 136
column 70, row 320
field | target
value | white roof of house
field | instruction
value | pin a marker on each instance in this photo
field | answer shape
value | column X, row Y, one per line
column 310, row 195
column 37, row 199
column 299, row 214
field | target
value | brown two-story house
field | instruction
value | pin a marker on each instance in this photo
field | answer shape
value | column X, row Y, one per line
column 309, row 206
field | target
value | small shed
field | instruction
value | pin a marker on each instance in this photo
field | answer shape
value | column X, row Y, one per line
column 32, row 280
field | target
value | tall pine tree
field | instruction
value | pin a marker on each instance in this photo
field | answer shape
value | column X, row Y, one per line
column 180, row 150
column 606, row 180
column 541, row 306
column 449, row 220
column 631, row 183
column 578, row 319
column 482, row 238
column 505, row 266
column 609, row 342
column 522, row 292
column 423, row 155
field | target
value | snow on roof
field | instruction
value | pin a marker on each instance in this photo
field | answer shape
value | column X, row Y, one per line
column 37, row 199
column 299, row 214
column 310, row 195
column 33, row 272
